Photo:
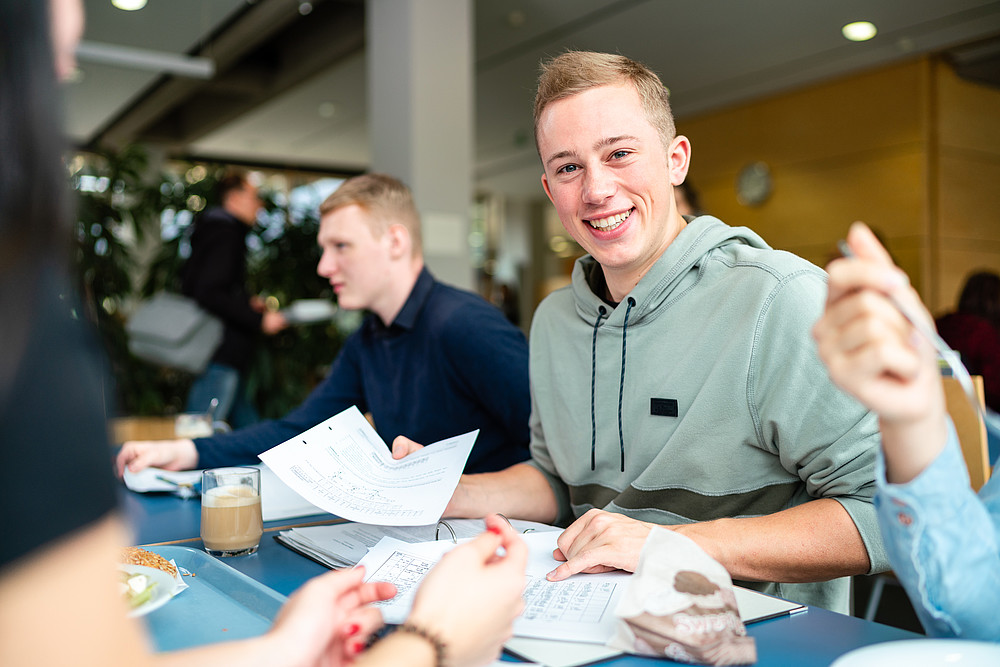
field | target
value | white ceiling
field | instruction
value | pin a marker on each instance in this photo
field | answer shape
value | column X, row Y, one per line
column 710, row 53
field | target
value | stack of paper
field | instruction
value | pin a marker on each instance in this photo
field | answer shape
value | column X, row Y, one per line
column 344, row 544
column 580, row 608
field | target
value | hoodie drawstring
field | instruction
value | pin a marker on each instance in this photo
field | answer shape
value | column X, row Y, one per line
column 621, row 383
column 601, row 313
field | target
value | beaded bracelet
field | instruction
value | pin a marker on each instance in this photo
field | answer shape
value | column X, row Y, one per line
column 435, row 641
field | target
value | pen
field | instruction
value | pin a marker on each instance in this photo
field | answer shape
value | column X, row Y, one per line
column 942, row 348
column 184, row 489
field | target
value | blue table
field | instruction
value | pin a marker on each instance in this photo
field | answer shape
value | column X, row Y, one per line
column 813, row 638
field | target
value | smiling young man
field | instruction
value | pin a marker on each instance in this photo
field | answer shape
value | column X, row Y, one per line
column 675, row 381
column 430, row 361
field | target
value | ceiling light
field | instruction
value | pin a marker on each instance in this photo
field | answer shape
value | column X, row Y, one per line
column 129, row 5
column 859, row 31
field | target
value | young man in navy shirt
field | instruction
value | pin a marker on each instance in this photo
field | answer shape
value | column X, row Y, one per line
column 429, row 362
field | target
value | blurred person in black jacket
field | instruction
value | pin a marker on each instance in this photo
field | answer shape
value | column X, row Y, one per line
column 215, row 276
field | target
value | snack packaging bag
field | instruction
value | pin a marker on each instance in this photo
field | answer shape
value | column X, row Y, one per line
column 680, row 604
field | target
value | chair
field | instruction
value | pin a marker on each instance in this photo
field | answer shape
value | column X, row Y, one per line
column 971, row 431
column 971, row 428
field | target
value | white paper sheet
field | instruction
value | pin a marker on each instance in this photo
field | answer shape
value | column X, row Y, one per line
column 280, row 501
column 342, row 466
column 580, row 608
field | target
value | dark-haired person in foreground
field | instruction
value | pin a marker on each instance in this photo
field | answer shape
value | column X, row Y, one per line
column 59, row 586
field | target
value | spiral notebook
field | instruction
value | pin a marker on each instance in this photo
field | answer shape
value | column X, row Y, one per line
column 344, row 544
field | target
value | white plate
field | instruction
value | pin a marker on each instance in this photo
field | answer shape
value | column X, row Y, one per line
column 924, row 652
column 163, row 591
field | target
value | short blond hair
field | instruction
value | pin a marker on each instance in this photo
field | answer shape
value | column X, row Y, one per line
column 385, row 199
column 574, row 72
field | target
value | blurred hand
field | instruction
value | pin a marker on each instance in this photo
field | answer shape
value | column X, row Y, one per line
column 471, row 598
column 875, row 354
column 329, row 620
column 273, row 322
column 599, row 541
column 258, row 303
column 869, row 348
column 166, row 454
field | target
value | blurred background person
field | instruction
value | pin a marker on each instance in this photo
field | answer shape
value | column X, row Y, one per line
column 215, row 276
column 973, row 330
column 687, row 199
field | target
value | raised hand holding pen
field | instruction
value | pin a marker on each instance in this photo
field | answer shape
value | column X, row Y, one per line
column 874, row 353
column 468, row 602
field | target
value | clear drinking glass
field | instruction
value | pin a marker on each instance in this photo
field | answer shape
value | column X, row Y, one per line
column 231, row 520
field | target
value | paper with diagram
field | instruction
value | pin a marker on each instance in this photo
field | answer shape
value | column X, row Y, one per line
column 580, row 608
column 342, row 466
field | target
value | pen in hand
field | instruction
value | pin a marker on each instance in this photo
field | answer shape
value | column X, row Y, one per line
column 942, row 348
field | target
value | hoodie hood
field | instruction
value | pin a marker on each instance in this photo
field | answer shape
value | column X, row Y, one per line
column 668, row 279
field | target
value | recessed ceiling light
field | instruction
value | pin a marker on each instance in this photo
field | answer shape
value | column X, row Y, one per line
column 859, row 31
column 129, row 5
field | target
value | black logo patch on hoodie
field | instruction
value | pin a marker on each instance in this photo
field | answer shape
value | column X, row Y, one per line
column 663, row 407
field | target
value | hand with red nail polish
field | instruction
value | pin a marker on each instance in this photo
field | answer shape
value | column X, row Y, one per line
column 329, row 620
column 449, row 603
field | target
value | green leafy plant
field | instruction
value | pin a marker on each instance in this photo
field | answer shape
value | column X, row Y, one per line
column 123, row 210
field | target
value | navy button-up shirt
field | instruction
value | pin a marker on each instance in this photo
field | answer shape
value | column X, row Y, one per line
column 448, row 364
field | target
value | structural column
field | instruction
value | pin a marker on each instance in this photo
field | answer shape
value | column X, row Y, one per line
column 420, row 115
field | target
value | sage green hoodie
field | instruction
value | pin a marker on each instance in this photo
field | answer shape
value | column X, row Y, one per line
column 700, row 395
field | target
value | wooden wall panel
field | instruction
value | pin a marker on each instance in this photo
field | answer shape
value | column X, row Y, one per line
column 850, row 149
column 969, row 196
column 833, row 120
column 968, row 112
column 967, row 230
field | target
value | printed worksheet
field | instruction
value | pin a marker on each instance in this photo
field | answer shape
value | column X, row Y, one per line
column 580, row 608
column 342, row 466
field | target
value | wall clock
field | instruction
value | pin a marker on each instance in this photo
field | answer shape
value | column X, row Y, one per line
column 753, row 184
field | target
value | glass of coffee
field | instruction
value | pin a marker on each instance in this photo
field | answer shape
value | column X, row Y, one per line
column 231, row 521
